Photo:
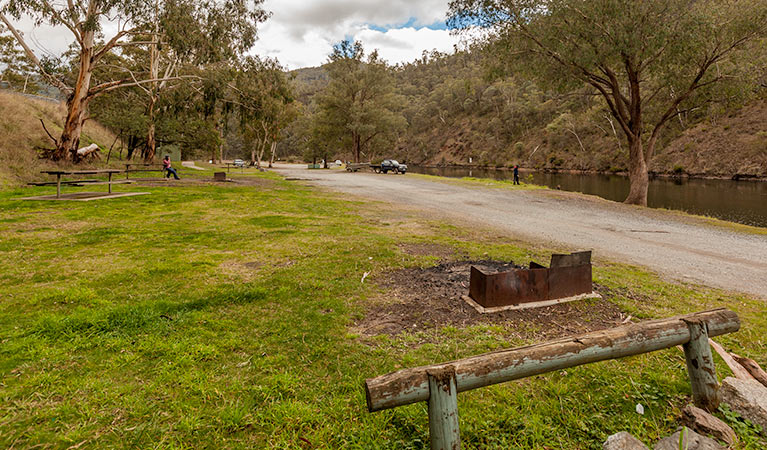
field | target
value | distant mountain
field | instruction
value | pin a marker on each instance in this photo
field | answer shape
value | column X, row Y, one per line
column 308, row 82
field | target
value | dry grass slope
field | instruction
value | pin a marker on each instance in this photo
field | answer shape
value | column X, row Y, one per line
column 21, row 134
column 734, row 144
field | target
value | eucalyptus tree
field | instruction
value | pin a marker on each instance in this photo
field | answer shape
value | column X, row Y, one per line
column 231, row 22
column 358, row 108
column 264, row 99
column 192, row 33
column 648, row 60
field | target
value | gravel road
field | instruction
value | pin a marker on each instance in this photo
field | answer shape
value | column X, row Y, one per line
column 674, row 246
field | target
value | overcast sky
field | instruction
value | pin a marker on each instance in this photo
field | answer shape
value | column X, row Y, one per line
column 301, row 33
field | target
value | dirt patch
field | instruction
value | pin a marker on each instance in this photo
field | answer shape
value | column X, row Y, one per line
column 248, row 271
column 442, row 252
column 422, row 299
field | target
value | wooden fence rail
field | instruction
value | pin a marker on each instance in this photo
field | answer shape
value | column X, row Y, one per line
column 439, row 384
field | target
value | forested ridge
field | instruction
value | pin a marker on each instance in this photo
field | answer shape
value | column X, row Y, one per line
column 608, row 86
column 462, row 107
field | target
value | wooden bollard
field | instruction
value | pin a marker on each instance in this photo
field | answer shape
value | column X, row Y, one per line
column 700, row 367
column 443, row 410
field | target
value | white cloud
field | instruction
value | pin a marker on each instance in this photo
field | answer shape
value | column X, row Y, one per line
column 312, row 48
column 407, row 44
column 302, row 33
column 44, row 40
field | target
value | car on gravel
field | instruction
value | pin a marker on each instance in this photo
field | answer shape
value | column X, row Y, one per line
column 389, row 165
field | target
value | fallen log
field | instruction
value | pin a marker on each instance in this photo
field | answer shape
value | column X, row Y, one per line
column 91, row 150
column 739, row 371
column 753, row 368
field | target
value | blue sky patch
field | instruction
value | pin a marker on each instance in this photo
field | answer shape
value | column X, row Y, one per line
column 410, row 23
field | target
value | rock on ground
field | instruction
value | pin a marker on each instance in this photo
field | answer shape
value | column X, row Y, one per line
column 692, row 441
column 704, row 423
column 623, row 441
column 748, row 398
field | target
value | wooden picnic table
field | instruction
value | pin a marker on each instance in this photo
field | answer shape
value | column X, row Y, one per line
column 230, row 165
column 60, row 173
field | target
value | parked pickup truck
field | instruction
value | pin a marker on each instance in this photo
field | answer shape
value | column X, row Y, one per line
column 389, row 165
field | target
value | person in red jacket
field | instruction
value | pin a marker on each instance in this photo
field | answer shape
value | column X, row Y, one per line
column 168, row 169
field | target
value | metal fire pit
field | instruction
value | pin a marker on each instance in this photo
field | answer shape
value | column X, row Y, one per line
column 568, row 278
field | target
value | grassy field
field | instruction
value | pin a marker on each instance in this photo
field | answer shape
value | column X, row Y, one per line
column 222, row 316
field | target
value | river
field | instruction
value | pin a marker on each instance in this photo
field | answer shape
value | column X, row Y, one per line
column 735, row 201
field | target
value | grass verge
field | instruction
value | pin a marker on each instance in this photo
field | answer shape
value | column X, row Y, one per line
column 220, row 315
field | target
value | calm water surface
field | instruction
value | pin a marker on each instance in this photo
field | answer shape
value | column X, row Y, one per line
column 736, row 201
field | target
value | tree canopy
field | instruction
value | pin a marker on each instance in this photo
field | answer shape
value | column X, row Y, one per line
column 648, row 60
column 189, row 32
column 358, row 110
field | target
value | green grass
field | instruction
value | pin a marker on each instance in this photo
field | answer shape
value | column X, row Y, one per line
column 220, row 316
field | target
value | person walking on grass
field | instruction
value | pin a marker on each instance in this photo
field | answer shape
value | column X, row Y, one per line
column 516, row 173
column 168, row 169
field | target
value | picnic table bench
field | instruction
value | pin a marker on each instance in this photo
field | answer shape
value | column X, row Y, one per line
column 142, row 167
column 230, row 165
column 63, row 182
column 89, row 182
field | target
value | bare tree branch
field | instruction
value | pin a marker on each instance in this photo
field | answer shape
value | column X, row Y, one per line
column 111, row 44
column 31, row 55
column 55, row 142
column 112, row 85
column 72, row 27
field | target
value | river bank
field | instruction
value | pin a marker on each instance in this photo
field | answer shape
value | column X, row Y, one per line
column 665, row 175
column 741, row 201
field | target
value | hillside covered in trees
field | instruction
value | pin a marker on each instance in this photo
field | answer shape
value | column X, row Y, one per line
column 463, row 107
column 667, row 87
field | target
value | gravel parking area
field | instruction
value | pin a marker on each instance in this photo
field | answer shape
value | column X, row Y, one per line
column 675, row 246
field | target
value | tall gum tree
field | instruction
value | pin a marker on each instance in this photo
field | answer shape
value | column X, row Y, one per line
column 85, row 20
column 193, row 33
column 264, row 101
column 358, row 108
column 649, row 60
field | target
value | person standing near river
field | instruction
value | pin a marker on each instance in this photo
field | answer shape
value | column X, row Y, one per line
column 516, row 173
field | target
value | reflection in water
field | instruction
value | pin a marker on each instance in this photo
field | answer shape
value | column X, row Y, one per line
column 737, row 201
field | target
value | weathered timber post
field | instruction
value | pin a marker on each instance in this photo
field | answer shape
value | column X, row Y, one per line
column 700, row 367
column 443, row 409
column 411, row 385
column 430, row 384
